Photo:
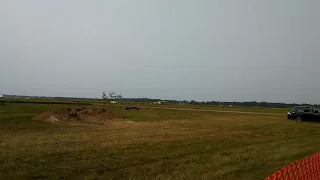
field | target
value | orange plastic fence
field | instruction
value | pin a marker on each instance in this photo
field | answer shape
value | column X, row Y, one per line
column 305, row 169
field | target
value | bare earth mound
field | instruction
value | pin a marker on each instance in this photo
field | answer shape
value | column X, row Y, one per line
column 77, row 115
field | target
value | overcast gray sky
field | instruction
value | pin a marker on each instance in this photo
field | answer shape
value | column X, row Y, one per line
column 262, row 50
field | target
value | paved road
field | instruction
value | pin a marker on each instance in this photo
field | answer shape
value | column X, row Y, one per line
column 211, row 110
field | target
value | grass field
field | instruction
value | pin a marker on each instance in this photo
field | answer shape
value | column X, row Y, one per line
column 152, row 144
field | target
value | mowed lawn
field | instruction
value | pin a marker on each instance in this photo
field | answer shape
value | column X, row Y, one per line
column 152, row 144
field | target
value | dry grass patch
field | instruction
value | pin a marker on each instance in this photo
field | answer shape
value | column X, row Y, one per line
column 157, row 144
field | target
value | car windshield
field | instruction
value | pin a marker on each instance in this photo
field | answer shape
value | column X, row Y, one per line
column 297, row 108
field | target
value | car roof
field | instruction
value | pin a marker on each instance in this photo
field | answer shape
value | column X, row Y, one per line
column 300, row 107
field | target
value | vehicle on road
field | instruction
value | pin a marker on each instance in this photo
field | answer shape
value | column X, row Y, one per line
column 304, row 113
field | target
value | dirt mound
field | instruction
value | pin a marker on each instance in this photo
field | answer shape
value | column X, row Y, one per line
column 77, row 115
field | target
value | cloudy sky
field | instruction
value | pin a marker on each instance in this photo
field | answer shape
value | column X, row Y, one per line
column 266, row 50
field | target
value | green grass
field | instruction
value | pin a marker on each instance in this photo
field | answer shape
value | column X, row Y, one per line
column 152, row 144
column 222, row 108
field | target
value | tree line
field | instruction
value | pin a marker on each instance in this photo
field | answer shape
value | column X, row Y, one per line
column 119, row 97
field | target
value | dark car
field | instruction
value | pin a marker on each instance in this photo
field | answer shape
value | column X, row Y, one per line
column 304, row 113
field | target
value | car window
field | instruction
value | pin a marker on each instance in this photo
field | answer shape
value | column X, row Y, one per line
column 315, row 111
column 306, row 110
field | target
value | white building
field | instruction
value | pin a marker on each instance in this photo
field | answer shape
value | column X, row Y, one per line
column 159, row 102
column 1, row 96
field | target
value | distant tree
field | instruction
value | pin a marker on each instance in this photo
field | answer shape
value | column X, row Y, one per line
column 104, row 95
column 119, row 96
column 111, row 95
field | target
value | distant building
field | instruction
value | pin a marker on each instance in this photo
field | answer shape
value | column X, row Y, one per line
column 159, row 102
column 1, row 96
column 113, row 102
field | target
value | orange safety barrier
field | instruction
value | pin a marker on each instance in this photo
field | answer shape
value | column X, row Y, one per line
column 305, row 169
